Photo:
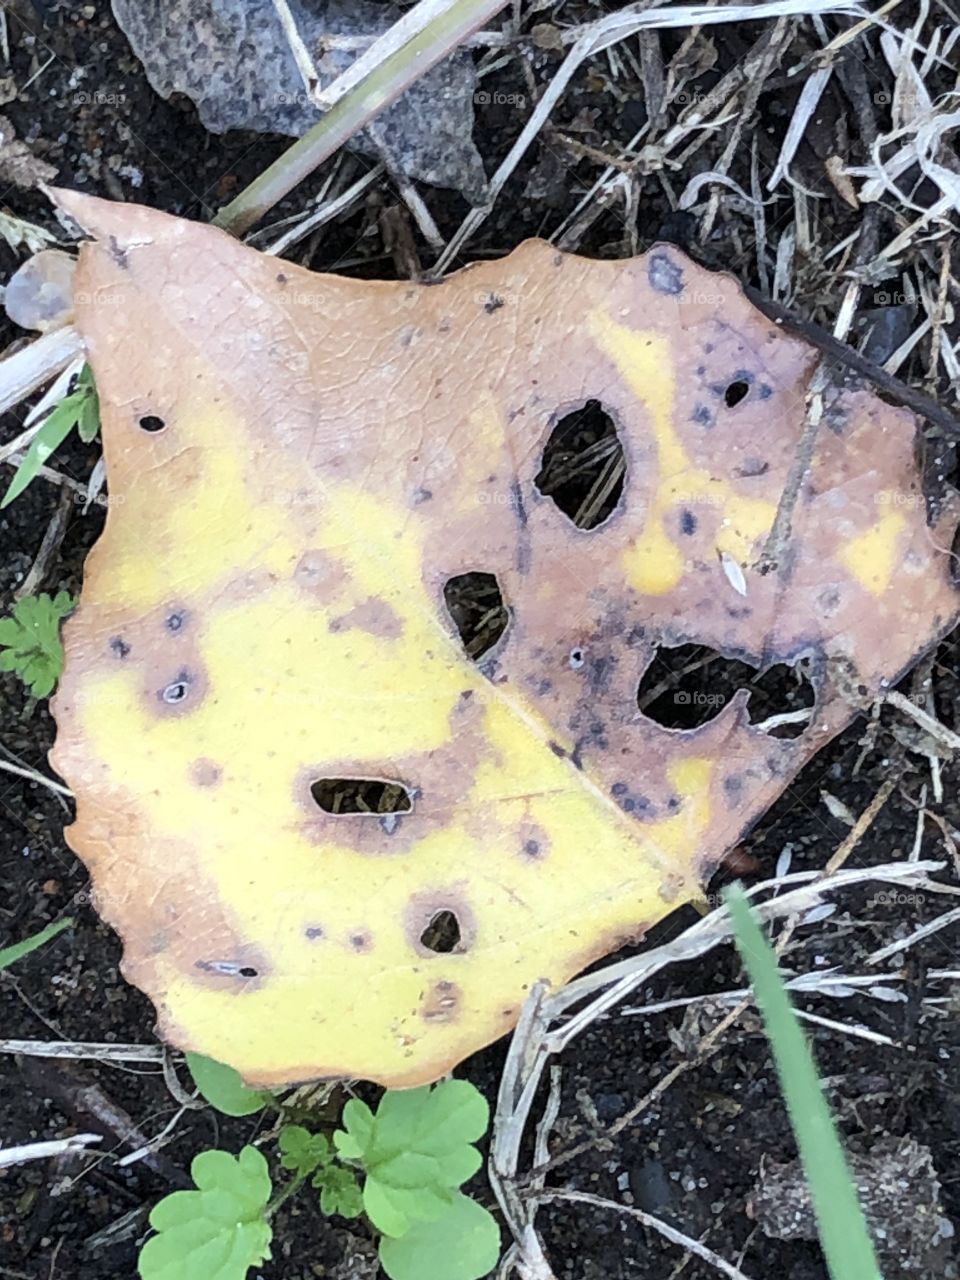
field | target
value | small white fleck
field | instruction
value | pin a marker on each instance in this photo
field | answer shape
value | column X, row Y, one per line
column 733, row 573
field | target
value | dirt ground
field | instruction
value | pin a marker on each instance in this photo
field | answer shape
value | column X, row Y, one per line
column 699, row 1154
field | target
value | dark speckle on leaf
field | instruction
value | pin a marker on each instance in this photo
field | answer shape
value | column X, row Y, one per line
column 118, row 254
column 119, row 647
column 702, row 416
column 665, row 275
column 688, row 522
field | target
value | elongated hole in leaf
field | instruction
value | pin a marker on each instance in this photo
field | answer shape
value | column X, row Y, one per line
column 442, row 934
column 151, row 423
column 475, row 604
column 361, row 795
column 583, row 466
column 688, row 685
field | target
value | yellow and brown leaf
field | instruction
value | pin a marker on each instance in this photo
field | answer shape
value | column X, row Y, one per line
column 299, row 465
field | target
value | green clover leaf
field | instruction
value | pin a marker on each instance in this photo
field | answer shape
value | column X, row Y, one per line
column 223, row 1088
column 218, row 1231
column 463, row 1244
column 415, row 1151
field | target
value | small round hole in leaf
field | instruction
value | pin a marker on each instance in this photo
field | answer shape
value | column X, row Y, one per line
column 735, row 392
column 583, row 466
column 151, row 423
column 442, row 934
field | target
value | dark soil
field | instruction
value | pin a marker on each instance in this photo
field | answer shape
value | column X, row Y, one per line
column 695, row 1155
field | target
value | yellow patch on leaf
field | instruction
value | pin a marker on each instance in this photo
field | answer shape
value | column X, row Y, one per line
column 301, row 469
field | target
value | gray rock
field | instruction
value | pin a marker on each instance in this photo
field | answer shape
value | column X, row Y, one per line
column 900, row 1195
column 232, row 59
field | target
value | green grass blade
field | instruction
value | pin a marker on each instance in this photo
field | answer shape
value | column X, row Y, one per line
column 57, row 426
column 10, row 955
column 843, row 1230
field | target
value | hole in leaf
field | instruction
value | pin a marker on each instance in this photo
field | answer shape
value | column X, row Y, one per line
column 361, row 795
column 442, row 934
column 150, row 422
column 583, row 466
column 735, row 392
column 955, row 558
column 686, row 686
column 177, row 690
column 475, row 604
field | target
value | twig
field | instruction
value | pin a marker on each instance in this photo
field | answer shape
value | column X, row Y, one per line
column 34, row 776
column 779, row 534
column 10, row 1156
column 846, row 356
column 946, row 737
column 77, row 1051
column 23, row 373
column 860, row 827
column 934, row 926
column 49, row 546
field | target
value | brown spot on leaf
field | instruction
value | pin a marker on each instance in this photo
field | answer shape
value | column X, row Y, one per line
column 205, row 773
column 318, row 573
column 376, row 617
column 441, row 1003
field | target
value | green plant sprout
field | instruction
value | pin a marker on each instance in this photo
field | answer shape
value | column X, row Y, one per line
column 10, row 955
column 412, row 1154
column 30, row 641
column 218, row 1231
column 80, row 408
column 840, row 1222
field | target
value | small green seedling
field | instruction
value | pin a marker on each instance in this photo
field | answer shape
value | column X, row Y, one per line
column 416, row 1152
column 80, row 409
column 843, row 1230
column 10, row 955
column 413, row 1154
column 30, row 641
column 223, row 1088
column 218, row 1231
column 307, row 1153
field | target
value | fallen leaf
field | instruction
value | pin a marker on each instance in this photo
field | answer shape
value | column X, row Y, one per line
column 302, row 471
